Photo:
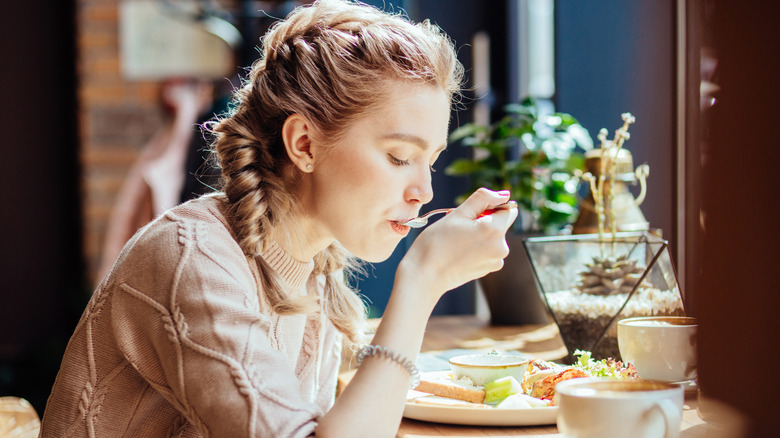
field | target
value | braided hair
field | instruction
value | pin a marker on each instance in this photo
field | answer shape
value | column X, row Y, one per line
column 331, row 62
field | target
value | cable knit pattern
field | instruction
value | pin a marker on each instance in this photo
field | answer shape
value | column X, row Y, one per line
column 177, row 341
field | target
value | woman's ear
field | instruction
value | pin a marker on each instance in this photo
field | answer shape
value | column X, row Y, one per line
column 296, row 135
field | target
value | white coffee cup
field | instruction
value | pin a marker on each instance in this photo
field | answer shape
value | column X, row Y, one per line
column 661, row 348
column 606, row 408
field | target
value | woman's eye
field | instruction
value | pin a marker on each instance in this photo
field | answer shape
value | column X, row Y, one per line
column 398, row 162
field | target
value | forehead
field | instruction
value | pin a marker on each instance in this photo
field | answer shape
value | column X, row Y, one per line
column 410, row 110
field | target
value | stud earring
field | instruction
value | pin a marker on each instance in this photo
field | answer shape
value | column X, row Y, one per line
column 308, row 167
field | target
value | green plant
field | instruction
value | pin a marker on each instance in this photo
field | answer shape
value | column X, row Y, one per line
column 533, row 155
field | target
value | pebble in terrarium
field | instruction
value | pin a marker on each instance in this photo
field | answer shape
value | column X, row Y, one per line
column 616, row 277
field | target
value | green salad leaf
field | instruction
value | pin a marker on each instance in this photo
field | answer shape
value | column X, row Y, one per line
column 604, row 367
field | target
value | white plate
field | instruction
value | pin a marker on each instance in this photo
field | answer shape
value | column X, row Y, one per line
column 473, row 416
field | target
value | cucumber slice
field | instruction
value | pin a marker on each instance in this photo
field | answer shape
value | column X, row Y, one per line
column 500, row 389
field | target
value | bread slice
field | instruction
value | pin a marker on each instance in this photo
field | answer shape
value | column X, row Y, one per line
column 435, row 400
column 443, row 385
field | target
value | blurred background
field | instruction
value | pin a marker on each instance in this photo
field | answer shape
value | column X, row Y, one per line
column 100, row 99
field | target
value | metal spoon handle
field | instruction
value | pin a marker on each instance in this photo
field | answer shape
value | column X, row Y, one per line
column 434, row 212
column 421, row 221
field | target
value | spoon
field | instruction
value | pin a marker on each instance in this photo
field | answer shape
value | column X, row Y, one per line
column 422, row 221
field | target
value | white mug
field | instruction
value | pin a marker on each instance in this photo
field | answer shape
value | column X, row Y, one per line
column 661, row 348
column 607, row 408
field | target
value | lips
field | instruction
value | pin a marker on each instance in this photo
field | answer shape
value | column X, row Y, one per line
column 400, row 229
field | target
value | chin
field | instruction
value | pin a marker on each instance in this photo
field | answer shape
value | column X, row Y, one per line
column 375, row 255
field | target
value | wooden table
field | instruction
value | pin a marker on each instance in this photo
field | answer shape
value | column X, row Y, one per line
column 543, row 341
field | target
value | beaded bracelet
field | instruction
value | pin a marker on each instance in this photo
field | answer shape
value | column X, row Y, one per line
column 377, row 350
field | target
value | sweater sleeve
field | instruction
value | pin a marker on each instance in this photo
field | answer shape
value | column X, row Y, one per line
column 186, row 317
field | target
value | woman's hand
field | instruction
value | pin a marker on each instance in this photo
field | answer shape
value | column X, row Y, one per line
column 458, row 248
column 461, row 246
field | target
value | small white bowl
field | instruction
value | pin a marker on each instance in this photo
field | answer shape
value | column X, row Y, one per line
column 486, row 367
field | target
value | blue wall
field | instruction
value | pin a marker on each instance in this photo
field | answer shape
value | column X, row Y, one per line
column 616, row 56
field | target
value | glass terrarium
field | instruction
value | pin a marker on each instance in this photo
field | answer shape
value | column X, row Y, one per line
column 590, row 282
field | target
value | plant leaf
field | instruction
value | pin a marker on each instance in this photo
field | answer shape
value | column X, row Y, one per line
column 467, row 130
column 463, row 166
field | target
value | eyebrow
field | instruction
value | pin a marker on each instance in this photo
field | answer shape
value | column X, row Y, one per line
column 413, row 139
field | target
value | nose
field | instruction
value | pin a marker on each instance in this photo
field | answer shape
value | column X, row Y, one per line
column 420, row 190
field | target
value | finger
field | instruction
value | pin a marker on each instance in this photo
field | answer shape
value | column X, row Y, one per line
column 505, row 206
column 504, row 217
column 482, row 200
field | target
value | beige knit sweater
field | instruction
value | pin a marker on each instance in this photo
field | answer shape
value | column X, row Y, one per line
column 177, row 341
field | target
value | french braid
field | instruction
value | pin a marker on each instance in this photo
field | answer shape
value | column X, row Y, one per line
column 331, row 62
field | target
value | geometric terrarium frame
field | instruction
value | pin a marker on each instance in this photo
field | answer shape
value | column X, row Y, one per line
column 591, row 281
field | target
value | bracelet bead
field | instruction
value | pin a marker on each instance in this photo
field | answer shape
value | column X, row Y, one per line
column 378, row 350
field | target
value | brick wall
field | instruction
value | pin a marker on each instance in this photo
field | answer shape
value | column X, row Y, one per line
column 116, row 118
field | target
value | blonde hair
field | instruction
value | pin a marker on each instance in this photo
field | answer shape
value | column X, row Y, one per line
column 331, row 62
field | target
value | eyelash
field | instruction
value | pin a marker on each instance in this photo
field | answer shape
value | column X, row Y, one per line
column 398, row 162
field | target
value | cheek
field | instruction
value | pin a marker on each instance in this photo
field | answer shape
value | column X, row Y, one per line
column 344, row 185
column 358, row 170
column 360, row 173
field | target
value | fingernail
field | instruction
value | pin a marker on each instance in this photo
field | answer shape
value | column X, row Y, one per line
column 503, row 192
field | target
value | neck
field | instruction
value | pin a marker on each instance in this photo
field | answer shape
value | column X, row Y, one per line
column 301, row 237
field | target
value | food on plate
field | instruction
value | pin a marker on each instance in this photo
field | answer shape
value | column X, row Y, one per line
column 521, row 401
column 500, row 389
column 604, row 367
column 545, row 388
column 538, row 369
column 445, row 386
column 536, row 389
column 585, row 366
column 436, row 400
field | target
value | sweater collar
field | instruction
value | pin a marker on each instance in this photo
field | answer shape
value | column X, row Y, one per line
column 294, row 272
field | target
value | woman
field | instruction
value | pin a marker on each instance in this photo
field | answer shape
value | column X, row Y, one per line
column 225, row 316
